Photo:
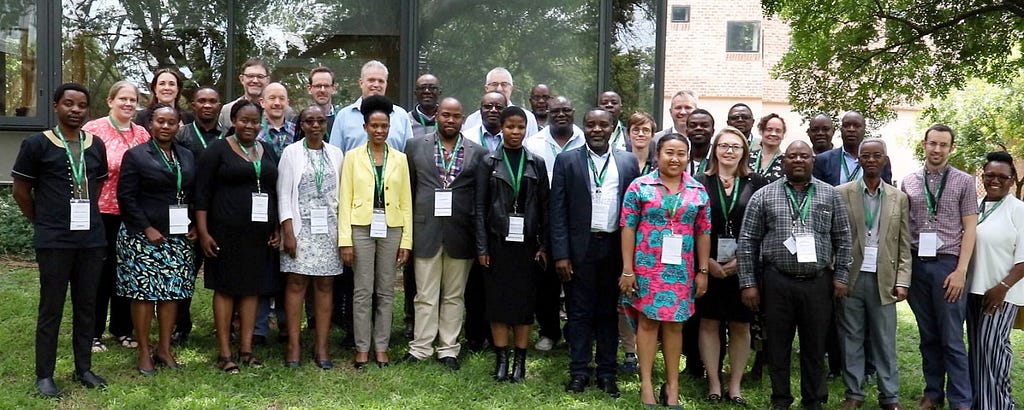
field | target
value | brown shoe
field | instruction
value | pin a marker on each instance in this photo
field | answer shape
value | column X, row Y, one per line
column 851, row 404
column 891, row 406
column 927, row 404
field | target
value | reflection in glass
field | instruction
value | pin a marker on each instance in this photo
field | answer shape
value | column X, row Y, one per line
column 743, row 36
column 633, row 55
column 18, row 74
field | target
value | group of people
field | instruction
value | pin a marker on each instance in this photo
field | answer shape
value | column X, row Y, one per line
column 493, row 213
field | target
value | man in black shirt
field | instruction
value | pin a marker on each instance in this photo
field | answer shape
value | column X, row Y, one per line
column 201, row 132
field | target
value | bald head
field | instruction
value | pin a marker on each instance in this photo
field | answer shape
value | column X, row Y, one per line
column 274, row 101
column 799, row 162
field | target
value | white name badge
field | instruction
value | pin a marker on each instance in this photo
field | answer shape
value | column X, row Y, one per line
column 928, row 244
column 672, row 249
column 516, row 228
column 805, row 251
column 790, row 245
column 177, row 215
column 79, row 215
column 726, row 249
column 260, row 207
column 599, row 216
column 379, row 224
column 870, row 259
column 318, row 220
column 442, row 202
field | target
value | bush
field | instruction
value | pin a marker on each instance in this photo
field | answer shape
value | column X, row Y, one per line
column 15, row 230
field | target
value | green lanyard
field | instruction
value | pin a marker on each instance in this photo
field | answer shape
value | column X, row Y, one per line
column 199, row 135
column 700, row 168
column 517, row 177
column 447, row 165
column 555, row 150
column 378, row 176
column 933, row 199
column 770, row 163
column 618, row 134
column 871, row 215
column 985, row 213
column 802, row 207
column 132, row 143
column 318, row 172
column 599, row 177
column 77, row 173
column 726, row 210
column 846, row 168
column 173, row 168
column 674, row 205
column 257, row 162
column 646, row 169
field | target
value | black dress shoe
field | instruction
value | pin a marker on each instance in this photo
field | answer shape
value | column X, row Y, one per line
column 90, row 380
column 410, row 359
column 608, row 385
column 577, row 384
column 408, row 332
column 46, row 387
column 452, row 363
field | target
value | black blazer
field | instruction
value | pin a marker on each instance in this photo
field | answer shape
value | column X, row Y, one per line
column 146, row 187
column 827, row 167
column 571, row 205
column 494, row 200
column 455, row 233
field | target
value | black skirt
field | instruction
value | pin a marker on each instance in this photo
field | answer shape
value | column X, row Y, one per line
column 245, row 265
column 510, row 283
column 722, row 301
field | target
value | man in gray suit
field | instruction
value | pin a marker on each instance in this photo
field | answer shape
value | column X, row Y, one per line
column 441, row 167
column 879, row 278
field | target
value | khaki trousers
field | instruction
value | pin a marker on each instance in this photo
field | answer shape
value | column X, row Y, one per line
column 439, row 304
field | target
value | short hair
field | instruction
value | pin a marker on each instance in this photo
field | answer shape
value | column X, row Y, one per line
column 373, row 64
column 687, row 93
column 737, row 105
column 941, row 128
column 502, row 96
column 743, row 168
column 510, row 112
column 116, row 88
column 63, row 88
column 763, row 122
column 701, row 111
column 376, row 104
column 885, row 149
column 205, row 87
column 242, row 103
column 321, row 69
column 152, row 87
column 255, row 61
column 299, row 133
column 675, row 136
column 640, row 117
column 160, row 106
column 497, row 70
column 1001, row 156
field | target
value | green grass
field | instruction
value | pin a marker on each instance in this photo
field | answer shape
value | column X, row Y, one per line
column 199, row 385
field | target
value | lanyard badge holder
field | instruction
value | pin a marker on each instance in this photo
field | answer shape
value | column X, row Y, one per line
column 801, row 240
column 80, row 206
column 443, row 196
column 928, row 241
column 727, row 243
column 671, row 243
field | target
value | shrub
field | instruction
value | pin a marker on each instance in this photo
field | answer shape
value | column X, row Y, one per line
column 15, row 230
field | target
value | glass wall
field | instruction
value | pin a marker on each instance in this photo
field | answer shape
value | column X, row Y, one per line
column 19, row 40
column 633, row 55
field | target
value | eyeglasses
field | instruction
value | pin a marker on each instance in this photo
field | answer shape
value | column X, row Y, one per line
column 321, row 86
column 556, row 111
column 431, row 88
column 502, row 84
column 489, row 107
column 988, row 176
column 729, row 147
column 799, row 157
column 874, row 156
column 314, row 121
column 255, row 76
column 740, row 117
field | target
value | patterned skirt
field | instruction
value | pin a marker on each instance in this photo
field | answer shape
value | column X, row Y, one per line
column 154, row 272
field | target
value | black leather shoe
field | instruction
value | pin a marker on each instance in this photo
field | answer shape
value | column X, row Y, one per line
column 607, row 385
column 518, row 366
column 90, row 380
column 452, row 363
column 501, row 364
column 410, row 359
column 577, row 384
column 46, row 387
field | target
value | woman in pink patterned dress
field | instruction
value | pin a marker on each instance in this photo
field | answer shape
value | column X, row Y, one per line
column 666, row 227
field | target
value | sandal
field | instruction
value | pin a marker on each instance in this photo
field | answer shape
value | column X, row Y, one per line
column 713, row 398
column 228, row 365
column 738, row 400
column 248, row 359
column 127, row 342
column 98, row 346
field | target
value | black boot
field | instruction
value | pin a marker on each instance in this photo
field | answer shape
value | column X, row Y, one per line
column 501, row 364
column 519, row 366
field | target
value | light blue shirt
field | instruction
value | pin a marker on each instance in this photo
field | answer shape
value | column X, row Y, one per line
column 852, row 165
column 348, row 133
column 480, row 135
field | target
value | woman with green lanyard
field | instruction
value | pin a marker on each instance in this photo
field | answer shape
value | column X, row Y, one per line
column 768, row 160
column 154, row 244
column 307, row 188
column 374, row 229
column 641, row 134
column 511, row 233
column 119, row 134
column 236, row 219
column 730, row 183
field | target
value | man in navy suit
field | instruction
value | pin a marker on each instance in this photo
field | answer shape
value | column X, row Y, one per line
column 586, row 195
column 839, row 166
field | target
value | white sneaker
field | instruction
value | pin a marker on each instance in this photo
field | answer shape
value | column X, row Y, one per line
column 544, row 344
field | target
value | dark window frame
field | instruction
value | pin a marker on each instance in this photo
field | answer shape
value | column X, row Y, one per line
column 731, row 25
column 48, row 63
column 680, row 8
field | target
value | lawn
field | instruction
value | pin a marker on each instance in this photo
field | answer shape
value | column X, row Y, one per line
column 199, row 385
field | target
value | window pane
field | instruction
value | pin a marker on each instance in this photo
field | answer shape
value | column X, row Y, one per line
column 680, row 14
column 632, row 56
column 549, row 42
column 18, row 71
column 743, row 36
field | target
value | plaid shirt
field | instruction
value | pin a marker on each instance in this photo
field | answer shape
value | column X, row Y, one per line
column 768, row 223
column 278, row 138
column 460, row 157
column 959, row 199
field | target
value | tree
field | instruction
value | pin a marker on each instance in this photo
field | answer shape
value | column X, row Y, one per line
column 874, row 55
column 986, row 118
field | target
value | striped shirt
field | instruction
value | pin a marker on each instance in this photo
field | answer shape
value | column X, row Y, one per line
column 959, row 198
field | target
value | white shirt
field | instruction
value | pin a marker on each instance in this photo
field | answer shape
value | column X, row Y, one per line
column 474, row 120
column 545, row 146
column 999, row 246
column 609, row 187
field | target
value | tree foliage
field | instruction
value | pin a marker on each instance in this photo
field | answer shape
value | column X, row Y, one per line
column 874, row 55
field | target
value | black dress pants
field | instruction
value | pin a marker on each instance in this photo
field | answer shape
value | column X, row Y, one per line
column 477, row 327
column 120, row 308
column 57, row 269
column 591, row 299
column 549, row 293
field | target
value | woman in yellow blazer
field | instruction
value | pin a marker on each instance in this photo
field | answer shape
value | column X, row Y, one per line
column 374, row 228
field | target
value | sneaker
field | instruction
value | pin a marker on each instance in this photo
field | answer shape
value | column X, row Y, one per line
column 545, row 344
column 630, row 365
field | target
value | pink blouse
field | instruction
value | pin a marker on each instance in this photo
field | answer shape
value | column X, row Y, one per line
column 116, row 143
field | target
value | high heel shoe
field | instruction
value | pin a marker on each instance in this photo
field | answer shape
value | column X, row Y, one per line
column 170, row 364
column 518, row 366
column 325, row 364
column 663, row 397
column 501, row 364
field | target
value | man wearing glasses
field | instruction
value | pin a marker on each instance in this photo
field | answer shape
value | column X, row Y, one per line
column 348, row 133
column 539, row 97
column 742, row 118
column 254, row 78
column 500, row 80
column 427, row 92
column 321, row 89
column 840, row 165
